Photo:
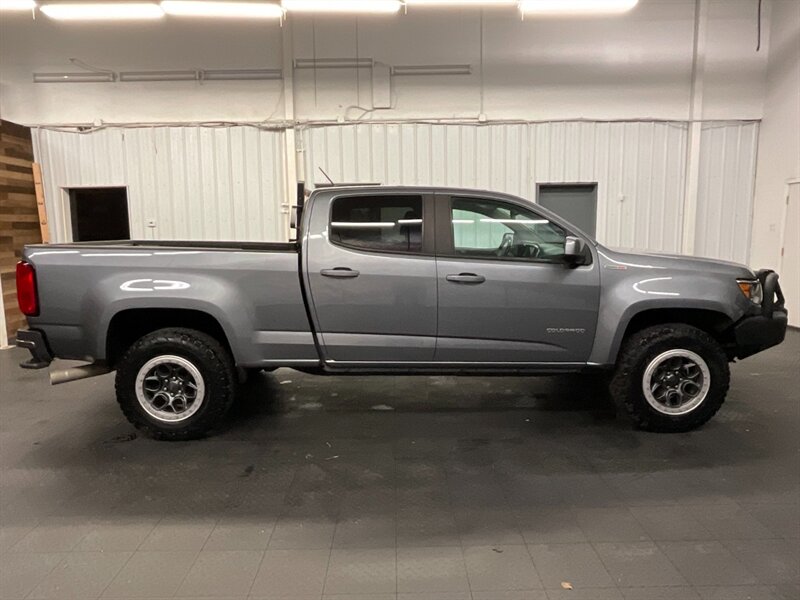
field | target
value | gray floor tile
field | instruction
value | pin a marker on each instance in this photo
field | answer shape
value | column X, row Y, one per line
column 729, row 522
column 669, row 523
column 510, row 595
column 585, row 594
column 487, row 525
column 239, row 534
column 151, row 575
column 638, row 564
column 492, row 568
column 439, row 569
column 11, row 534
column 771, row 561
column 610, row 525
column 577, row 564
column 440, row 596
column 548, row 525
column 362, row 571
column 116, row 536
column 741, row 592
column 659, row 593
column 707, row 563
column 360, row 597
column 20, row 573
column 178, row 535
column 299, row 572
column 60, row 534
column 297, row 532
column 81, row 575
column 783, row 520
column 221, row 572
column 365, row 532
column 421, row 526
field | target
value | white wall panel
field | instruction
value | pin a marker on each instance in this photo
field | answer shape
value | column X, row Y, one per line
column 212, row 183
column 725, row 193
column 639, row 166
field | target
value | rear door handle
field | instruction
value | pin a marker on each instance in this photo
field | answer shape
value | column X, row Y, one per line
column 339, row 272
column 466, row 278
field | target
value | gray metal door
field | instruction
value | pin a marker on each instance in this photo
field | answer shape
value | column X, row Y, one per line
column 372, row 279
column 576, row 203
column 505, row 294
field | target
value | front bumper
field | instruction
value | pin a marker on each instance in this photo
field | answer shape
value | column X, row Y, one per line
column 767, row 328
column 35, row 342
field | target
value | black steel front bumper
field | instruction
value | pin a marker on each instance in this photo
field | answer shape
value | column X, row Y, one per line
column 760, row 331
column 35, row 342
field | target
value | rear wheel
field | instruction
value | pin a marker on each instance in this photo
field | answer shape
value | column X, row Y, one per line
column 671, row 377
column 176, row 384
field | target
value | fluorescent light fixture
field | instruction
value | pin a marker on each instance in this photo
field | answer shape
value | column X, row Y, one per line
column 240, row 74
column 17, row 4
column 85, row 77
column 132, row 76
column 333, row 63
column 484, row 3
column 343, row 6
column 100, row 11
column 432, row 70
column 203, row 8
column 575, row 7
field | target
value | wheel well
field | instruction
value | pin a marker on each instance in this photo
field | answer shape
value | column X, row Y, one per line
column 127, row 326
column 718, row 325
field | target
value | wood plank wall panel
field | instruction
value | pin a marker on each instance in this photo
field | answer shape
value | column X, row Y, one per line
column 19, row 215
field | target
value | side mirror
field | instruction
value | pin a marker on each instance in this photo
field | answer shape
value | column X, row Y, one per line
column 574, row 251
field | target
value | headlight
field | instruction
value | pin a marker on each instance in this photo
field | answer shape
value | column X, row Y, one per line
column 751, row 288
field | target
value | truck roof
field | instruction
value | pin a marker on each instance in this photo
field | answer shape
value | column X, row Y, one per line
column 420, row 189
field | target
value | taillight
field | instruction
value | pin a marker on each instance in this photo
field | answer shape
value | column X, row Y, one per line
column 27, row 297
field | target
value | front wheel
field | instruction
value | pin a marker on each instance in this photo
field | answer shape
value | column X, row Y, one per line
column 671, row 377
column 175, row 384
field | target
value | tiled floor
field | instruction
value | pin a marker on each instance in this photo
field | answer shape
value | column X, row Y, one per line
column 469, row 489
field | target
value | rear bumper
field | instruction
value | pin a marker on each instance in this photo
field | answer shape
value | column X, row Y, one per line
column 34, row 341
column 760, row 331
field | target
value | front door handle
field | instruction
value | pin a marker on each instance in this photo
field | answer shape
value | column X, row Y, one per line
column 339, row 272
column 466, row 278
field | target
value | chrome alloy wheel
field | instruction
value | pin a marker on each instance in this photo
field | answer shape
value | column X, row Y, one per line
column 170, row 388
column 676, row 382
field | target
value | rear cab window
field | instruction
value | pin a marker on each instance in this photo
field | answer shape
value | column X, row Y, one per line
column 380, row 223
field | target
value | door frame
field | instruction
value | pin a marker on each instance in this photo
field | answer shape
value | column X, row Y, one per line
column 596, row 185
column 63, row 207
column 784, row 217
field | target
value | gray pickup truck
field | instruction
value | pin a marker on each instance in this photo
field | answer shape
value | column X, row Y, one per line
column 395, row 280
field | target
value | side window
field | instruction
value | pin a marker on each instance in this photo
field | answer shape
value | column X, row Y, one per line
column 379, row 223
column 493, row 229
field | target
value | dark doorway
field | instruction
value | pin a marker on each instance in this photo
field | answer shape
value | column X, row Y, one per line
column 575, row 202
column 99, row 214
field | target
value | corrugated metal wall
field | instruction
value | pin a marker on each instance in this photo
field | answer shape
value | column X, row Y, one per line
column 227, row 183
column 639, row 167
column 725, row 193
column 214, row 183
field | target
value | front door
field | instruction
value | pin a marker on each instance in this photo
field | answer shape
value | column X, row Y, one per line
column 505, row 292
column 373, row 280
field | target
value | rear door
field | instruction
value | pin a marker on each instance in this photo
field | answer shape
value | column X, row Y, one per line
column 505, row 292
column 372, row 278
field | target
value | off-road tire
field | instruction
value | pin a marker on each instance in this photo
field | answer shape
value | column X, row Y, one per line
column 212, row 360
column 641, row 348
